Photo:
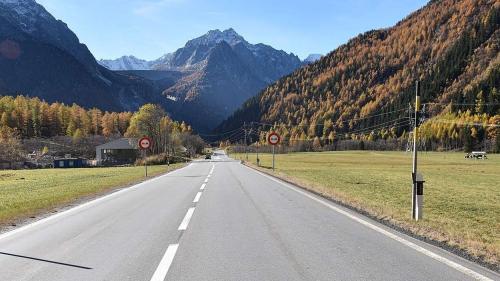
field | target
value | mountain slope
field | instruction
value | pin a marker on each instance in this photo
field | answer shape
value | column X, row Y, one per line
column 40, row 56
column 449, row 45
column 312, row 58
column 206, row 97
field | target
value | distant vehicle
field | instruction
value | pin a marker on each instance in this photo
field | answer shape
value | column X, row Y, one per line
column 208, row 157
column 476, row 155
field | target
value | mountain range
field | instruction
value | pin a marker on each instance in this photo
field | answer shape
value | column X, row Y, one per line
column 168, row 61
column 451, row 46
column 216, row 73
column 201, row 83
column 367, row 84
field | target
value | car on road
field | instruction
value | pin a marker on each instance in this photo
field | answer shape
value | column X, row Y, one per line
column 208, row 157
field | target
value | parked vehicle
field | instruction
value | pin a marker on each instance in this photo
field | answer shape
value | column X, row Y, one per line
column 476, row 155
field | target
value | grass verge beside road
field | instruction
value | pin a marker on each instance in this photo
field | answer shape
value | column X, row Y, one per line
column 28, row 193
column 461, row 204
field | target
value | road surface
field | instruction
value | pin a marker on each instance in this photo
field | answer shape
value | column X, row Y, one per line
column 219, row 220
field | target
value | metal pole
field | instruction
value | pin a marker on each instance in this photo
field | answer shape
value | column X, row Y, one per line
column 145, row 163
column 273, row 157
column 258, row 162
column 415, row 154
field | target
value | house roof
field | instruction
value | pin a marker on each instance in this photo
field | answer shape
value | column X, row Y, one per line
column 123, row 143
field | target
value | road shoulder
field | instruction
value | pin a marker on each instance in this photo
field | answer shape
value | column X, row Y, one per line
column 393, row 224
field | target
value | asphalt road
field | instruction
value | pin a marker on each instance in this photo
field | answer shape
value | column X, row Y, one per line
column 219, row 220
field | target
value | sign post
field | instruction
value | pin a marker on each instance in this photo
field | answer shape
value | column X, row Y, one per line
column 145, row 144
column 274, row 139
column 258, row 160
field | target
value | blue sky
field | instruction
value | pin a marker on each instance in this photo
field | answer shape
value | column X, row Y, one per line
column 150, row 28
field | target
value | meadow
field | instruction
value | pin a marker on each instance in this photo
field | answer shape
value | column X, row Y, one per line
column 29, row 193
column 461, row 196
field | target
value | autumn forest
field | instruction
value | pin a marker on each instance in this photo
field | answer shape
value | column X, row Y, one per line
column 364, row 90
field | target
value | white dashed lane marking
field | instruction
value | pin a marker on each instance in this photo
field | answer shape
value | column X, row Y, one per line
column 165, row 263
column 187, row 218
column 197, row 198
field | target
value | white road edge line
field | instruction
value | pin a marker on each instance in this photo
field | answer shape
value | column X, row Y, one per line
column 165, row 263
column 206, row 180
column 203, row 186
column 187, row 218
column 197, row 197
column 82, row 206
column 403, row 241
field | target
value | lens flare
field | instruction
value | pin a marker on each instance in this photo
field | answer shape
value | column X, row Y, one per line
column 10, row 49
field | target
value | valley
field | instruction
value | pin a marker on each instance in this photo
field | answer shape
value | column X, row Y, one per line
column 325, row 140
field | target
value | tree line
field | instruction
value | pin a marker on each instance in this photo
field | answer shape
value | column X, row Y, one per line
column 24, row 118
column 32, row 117
column 448, row 131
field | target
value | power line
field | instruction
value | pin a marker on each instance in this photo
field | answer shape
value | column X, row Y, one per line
column 465, row 123
column 461, row 104
column 236, row 135
column 381, row 125
column 344, row 121
column 220, row 134
column 396, row 123
column 343, row 137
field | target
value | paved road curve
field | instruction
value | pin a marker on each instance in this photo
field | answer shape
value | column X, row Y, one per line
column 219, row 220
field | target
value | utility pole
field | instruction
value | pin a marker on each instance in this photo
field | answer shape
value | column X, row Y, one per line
column 418, row 181
column 409, row 144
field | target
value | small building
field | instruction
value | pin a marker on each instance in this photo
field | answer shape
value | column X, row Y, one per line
column 118, row 152
column 69, row 163
column 9, row 165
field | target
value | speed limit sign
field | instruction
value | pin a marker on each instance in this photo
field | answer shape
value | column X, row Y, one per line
column 145, row 143
column 273, row 139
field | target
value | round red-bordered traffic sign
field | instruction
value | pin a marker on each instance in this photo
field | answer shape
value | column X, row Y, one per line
column 273, row 138
column 145, row 143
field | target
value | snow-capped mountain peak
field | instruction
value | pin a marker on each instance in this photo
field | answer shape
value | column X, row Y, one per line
column 267, row 63
column 214, row 37
column 126, row 63
column 25, row 13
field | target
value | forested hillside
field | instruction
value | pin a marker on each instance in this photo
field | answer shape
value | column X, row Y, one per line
column 32, row 117
column 364, row 88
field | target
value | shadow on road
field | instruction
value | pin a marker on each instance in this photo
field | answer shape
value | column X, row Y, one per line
column 47, row 261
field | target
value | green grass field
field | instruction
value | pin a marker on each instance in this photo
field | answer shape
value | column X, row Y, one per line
column 462, row 196
column 26, row 193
